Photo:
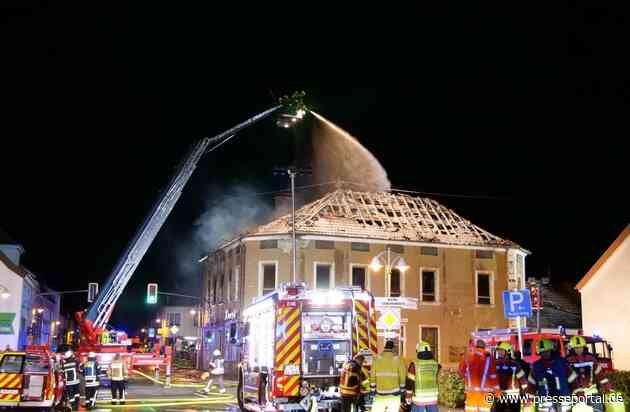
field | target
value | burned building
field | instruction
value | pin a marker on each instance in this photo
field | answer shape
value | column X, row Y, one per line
column 445, row 276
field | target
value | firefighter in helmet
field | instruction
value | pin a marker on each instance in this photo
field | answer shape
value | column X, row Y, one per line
column 478, row 369
column 117, row 373
column 422, row 383
column 552, row 378
column 70, row 368
column 217, row 369
column 90, row 371
column 351, row 382
column 591, row 378
column 387, row 380
column 512, row 379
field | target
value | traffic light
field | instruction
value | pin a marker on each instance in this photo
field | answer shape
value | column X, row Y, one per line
column 209, row 336
column 92, row 292
column 152, row 293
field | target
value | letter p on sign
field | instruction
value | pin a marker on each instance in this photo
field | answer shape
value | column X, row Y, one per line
column 517, row 303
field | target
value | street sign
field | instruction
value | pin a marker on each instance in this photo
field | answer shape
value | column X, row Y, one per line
column 396, row 302
column 152, row 332
column 389, row 319
column 517, row 303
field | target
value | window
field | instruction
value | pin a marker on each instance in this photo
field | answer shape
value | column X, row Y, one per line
column 527, row 347
column 402, row 350
column 237, row 278
column 395, row 283
column 360, row 247
column 484, row 288
column 36, row 364
column 428, row 285
column 396, row 248
column 268, row 274
column 324, row 276
column 484, row 254
column 324, row 244
column 11, row 364
column 269, row 244
column 174, row 318
column 431, row 335
column 359, row 276
column 429, row 251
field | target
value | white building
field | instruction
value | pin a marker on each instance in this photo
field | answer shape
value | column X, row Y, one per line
column 20, row 307
column 605, row 296
column 185, row 318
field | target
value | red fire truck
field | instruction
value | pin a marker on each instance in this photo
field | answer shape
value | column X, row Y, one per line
column 596, row 345
column 29, row 379
column 295, row 342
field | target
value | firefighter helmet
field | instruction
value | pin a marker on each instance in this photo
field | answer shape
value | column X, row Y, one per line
column 505, row 346
column 216, row 352
column 423, row 346
column 91, row 355
column 68, row 354
column 544, row 345
column 577, row 342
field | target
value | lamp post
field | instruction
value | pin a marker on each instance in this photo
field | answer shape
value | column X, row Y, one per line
column 391, row 260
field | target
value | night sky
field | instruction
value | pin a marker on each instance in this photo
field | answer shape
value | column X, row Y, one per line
column 518, row 123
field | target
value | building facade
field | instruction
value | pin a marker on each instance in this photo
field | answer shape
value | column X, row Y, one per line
column 608, row 317
column 26, row 316
column 448, row 285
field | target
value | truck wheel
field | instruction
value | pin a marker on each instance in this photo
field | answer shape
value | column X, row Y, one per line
column 240, row 391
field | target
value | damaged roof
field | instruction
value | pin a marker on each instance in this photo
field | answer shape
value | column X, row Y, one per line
column 383, row 216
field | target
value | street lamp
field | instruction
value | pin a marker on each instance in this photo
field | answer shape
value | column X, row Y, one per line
column 193, row 312
column 158, row 320
column 40, row 310
column 398, row 262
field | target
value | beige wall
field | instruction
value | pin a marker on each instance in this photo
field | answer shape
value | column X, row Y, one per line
column 455, row 313
column 605, row 300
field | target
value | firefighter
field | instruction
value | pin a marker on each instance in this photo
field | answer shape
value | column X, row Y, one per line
column 70, row 368
column 512, row 379
column 351, row 382
column 387, row 380
column 551, row 376
column 422, row 386
column 217, row 369
column 90, row 371
column 591, row 379
column 117, row 373
column 478, row 369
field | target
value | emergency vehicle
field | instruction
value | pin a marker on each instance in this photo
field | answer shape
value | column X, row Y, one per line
column 595, row 344
column 29, row 379
column 295, row 342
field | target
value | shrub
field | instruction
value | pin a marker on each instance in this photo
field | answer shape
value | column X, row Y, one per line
column 620, row 381
column 451, row 387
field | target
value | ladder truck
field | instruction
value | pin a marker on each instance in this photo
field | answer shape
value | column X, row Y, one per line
column 92, row 322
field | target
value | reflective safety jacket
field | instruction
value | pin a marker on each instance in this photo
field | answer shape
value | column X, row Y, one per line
column 512, row 378
column 71, row 371
column 217, row 366
column 352, row 379
column 422, row 382
column 117, row 370
column 90, row 371
column 479, row 371
column 590, row 374
column 388, row 373
column 553, row 377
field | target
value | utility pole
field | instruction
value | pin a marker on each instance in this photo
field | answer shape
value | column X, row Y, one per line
column 292, row 172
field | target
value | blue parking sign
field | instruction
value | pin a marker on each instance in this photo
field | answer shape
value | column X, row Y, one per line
column 517, row 303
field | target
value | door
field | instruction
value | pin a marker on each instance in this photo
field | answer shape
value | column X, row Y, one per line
column 11, row 366
column 430, row 334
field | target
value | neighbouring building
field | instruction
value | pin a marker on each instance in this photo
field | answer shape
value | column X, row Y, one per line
column 560, row 308
column 25, row 316
column 186, row 320
column 456, row 271
column 605, row 296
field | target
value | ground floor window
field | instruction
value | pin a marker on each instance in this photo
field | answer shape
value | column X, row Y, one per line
column 324, row 276
column 431, row 335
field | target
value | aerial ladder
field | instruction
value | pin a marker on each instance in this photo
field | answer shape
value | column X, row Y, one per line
column 93, row 321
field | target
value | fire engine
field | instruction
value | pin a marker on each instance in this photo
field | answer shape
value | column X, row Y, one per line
column 295, row 341
column 596, row 345
column 29, row 379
